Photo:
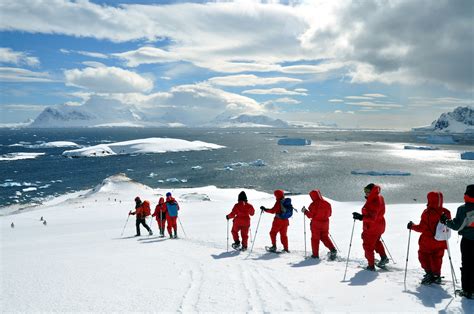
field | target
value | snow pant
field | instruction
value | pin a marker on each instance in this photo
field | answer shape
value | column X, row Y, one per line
column 244, row 232
column 143, row 222
column 318, row 234
column 371, row 242
column 280, row 226
column 431, row 260
column 172, row 224
column 161, row 220
column 467, row 263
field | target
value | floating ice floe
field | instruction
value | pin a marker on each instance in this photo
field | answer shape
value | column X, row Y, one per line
column 9, row 184
column 467, row 156
column 380, row 173
column 29, row 189
column 294, row 141
column 255, row 163
column 174, row 180
column 141, row 146
column 170, row 162
column 420, row 147
column 152, row 175
column 196, row 167
column 19, row 156
column 54, row 144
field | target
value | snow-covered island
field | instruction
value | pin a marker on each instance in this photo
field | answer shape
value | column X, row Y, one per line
column 461, row 120
column 80, row 255
column 141, row 146
column 19, row 156
column 380, row 173
column 420, row 147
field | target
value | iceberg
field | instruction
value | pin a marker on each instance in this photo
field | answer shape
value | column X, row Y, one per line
column 420, row 147
column 467, row 156
column 196, row 167
column 294, row 141
column 440, row 139
column 141, row 146
column 19, row 156
column 380, row 173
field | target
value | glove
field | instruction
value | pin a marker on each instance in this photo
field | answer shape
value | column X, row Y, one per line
column 303, row 209
column 227, row 217
column 443, row 219
column 263, row 208
column 129, row 213
column 357, row 216
column 409, row 225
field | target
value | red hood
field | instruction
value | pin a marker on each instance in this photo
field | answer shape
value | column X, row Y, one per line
column 316, row 195
column 374, row 192
column 279, row 194
column 435, row 200
column 161, row 201
column 170, row 199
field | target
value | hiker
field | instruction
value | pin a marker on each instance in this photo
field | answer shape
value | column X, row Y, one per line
column 172, row 208
column 431, row 251
column 319, row 212
column 142, row 210
column 464, row 223
column 280, row 225
column 241, row 213
column 160, row 215
column 373, row 226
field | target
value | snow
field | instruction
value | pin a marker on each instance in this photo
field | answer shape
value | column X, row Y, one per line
column 380, row 173
column 79, row 262
column 19, row 156
column 294, row 141
column 420, row 147
column 141, row 146
column 467, row 156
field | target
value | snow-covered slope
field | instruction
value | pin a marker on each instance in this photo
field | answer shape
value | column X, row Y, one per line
column 79, row 261
column 247, row 120
column 461, row 120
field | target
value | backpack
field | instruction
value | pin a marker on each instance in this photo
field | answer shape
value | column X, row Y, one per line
column 286, row 209
column 172, row 209
column 146, row 209
column 443, row 233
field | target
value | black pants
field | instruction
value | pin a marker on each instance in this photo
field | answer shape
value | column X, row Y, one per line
column 143, row 222
column 467, row 261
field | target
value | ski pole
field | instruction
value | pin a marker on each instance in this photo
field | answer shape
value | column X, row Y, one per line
column 250, row 234
column 348, row 253
column 227, row 235
column 256, row 230
column 406, row 263
column 334, row 242
column 452, row 268
column 391, row 257
column 182, row 227
column 125, row 225
column 304, row 228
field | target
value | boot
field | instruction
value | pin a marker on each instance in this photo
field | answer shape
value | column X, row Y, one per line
column 272, row 248
column 436, row 279
column 236, row 245
column 243, row 249
column 427, row 279
column 315, row 256
column 383, row 261
column 370, row 268
column 332, row 254
column 286, row 250
column 150, row 232
column 175, row 234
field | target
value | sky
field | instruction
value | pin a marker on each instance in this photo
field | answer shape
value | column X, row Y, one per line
column 392, row 64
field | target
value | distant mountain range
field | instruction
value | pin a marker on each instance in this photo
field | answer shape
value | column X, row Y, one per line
column 461, row 120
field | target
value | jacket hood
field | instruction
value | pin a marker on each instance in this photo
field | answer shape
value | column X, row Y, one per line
column 279, row 194
column 161, row 201
column 435, row 200
column 316, row 195
column 374, row 192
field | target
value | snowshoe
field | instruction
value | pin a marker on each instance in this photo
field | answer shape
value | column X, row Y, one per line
column 272, row 249
column 236, row 245
column 370, row 268
column 436, row 279
column 150, row 232
column 286, row 250
column 332, row 255
column 383, row 262
column 243, row 249
column 462, row 293
column 315, row 256
column 427, row 279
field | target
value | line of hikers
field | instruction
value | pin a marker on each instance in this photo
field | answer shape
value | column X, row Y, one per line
column 431, row 244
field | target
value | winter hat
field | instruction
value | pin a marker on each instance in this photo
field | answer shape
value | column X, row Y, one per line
column 369, row 187
column 168, row 194
column 137, row 199
column 242, row 196
column 470, row 190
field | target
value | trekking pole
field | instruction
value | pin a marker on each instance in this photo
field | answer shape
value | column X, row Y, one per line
column 304, row 228
column 250, row 233
column 391, row 257
column 125, row 226
column 227, row 235
column 334, row 242
column 348, row 253
column 406, row 263
column 452, row 268
column 256, row 230
column 182, row 227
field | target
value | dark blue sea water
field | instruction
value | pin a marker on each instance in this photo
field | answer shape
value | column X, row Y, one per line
column 326, row 164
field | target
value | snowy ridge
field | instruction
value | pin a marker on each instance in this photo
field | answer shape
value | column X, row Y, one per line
column 247, row 120
column 461, row 120
column 80, row 255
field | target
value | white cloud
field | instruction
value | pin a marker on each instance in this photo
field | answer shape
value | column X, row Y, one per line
column 250, row 80
column 358, row 97
column 302, row 90
column 147, row 55
column 287, row 100
column 8, row 55
column 336, row 100
column 375, row 95
column 373, row 105
column 94, row 64
column 273, row 91
column 8, row 74
column 439, row 101
column 86, row 53
column 108, row 80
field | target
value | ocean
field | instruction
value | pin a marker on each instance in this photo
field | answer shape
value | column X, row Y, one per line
column 327, row 164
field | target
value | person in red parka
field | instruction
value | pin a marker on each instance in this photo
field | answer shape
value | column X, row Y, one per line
column 431, row 251
column 373, row 226
column 172, row 209
column 141, row 211
column 279, row 225
column 160, row 214
column 241, row 213
column 319, row 213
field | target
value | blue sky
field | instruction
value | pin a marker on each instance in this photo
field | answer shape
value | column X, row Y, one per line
column 371, row 64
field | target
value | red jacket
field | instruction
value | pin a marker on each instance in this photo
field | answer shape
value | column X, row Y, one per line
column 143, row 210
column 160, row 208
column 373, row 212
column 276, row 209
column 242, row 212
column 429, row 221
column 319, row 210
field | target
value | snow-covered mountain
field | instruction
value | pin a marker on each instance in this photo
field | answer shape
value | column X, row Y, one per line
column 461, row 120
column 247, row 120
